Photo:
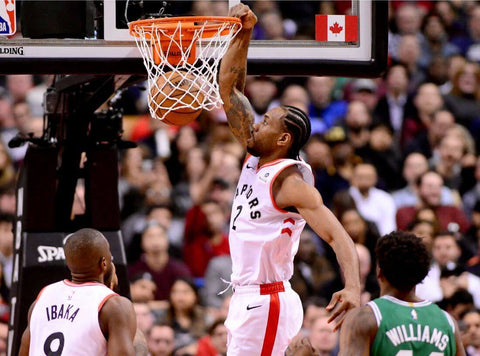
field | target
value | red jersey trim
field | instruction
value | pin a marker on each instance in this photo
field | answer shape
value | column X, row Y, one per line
column 40, row 293
column 271, row 188
column 100, row 306
column 272, row 163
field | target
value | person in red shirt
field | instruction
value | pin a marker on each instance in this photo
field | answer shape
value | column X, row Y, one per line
column 204, row 236
column 215, row 343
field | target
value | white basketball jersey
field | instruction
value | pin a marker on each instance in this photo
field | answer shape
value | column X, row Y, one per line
column 263, row 238
column 64, row 320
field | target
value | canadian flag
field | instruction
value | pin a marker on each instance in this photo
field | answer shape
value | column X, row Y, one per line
column 336, row 28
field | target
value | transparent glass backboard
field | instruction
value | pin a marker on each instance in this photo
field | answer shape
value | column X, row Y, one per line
column 338, row 38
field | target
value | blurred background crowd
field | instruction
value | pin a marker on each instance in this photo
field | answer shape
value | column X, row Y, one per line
column 397, row 152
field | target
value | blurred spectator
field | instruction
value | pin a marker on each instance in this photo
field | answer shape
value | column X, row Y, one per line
column 6, row 248
column 446, row 275
column 161, row 340
column 145, row 318
column 311, row 269
column 361, row 231
column 184, row 141
column 409, row 51
column 7, row 171
column 424, row 229
column 460, row 302
column 271, row 24
column 156, row 261
column 462, row 100
column 468, row 42
column 471, row 320
column 324, row 111
column 134, row 225
column 426, row 141
column 413, row 167
column 215, row 343
column 437, row 71
column 142, row 288
column 471, row 242
column 383, row 153
column 201, row 245
column 322, row 337
column 473, row 195
column 156, row 140
column 18, row 86
column 435, row 40
column 408, row 19
column 185, row 316
column 454, row 63
column 447, row 162
column 365, row 90
column 427, row 101
column 370, row 289
column 314, row 308
column 374, row 204
column 357, row 124
column 295, row 95
column 396, row 104
column 429, row 186
column 261, row 91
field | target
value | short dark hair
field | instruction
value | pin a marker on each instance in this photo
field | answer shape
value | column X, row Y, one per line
column 298, row 123
column 403, row 259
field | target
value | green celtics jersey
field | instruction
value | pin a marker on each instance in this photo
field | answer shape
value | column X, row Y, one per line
column 411, row 329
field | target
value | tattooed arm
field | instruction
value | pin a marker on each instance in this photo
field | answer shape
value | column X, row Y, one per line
column 358, row 332
column 233, row 71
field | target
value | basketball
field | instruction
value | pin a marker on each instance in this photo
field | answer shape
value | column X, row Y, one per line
column 174, row 89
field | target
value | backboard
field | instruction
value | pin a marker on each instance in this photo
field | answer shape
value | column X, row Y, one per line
column 291, row 37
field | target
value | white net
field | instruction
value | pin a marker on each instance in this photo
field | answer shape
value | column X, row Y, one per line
column 181, row 58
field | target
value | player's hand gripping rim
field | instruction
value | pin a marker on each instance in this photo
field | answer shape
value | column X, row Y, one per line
column 244, row 13
column 341, row 302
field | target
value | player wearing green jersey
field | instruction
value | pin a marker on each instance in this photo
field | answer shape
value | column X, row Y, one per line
column 399, row 323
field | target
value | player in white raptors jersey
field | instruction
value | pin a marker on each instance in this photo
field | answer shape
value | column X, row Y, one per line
column 274, row 199
column 81, row 317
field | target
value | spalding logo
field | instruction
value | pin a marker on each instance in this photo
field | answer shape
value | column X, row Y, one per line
column 50, row 253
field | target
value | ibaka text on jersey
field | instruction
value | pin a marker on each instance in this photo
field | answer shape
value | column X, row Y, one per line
column 61, row 311
column 247, row 191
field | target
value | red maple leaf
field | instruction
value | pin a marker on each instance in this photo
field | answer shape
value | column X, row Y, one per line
column 336, row 28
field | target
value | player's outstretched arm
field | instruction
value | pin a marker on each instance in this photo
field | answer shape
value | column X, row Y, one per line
column 118, row 323
column 290, row 190
column 233, row 72
column 358, row 332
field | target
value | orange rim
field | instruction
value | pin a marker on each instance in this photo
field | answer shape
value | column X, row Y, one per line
column 189, row 23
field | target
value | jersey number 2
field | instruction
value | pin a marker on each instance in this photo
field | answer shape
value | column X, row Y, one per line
column 410, row 353
column 239, row 209
column 47, row 347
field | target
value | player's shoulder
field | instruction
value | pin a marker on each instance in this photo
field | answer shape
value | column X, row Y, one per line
column 114, row 307
column 361, row 320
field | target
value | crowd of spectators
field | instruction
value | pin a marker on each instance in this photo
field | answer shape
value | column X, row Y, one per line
column 397, row 152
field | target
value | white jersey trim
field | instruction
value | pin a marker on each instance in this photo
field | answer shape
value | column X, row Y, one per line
column 450, row 320
column 423, row 303
column 376, row 312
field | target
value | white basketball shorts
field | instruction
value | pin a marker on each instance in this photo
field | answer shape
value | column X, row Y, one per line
column 263, row 319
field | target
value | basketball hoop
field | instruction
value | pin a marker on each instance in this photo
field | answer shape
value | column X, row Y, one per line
column 188, row 48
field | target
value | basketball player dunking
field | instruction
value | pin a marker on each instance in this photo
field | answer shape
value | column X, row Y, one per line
column 82, row 316
column 274, row 199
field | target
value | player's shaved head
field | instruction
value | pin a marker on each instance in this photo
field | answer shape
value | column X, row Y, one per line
column 85, row 250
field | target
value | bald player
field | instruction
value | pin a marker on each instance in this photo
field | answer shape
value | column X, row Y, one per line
column 82, row 316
